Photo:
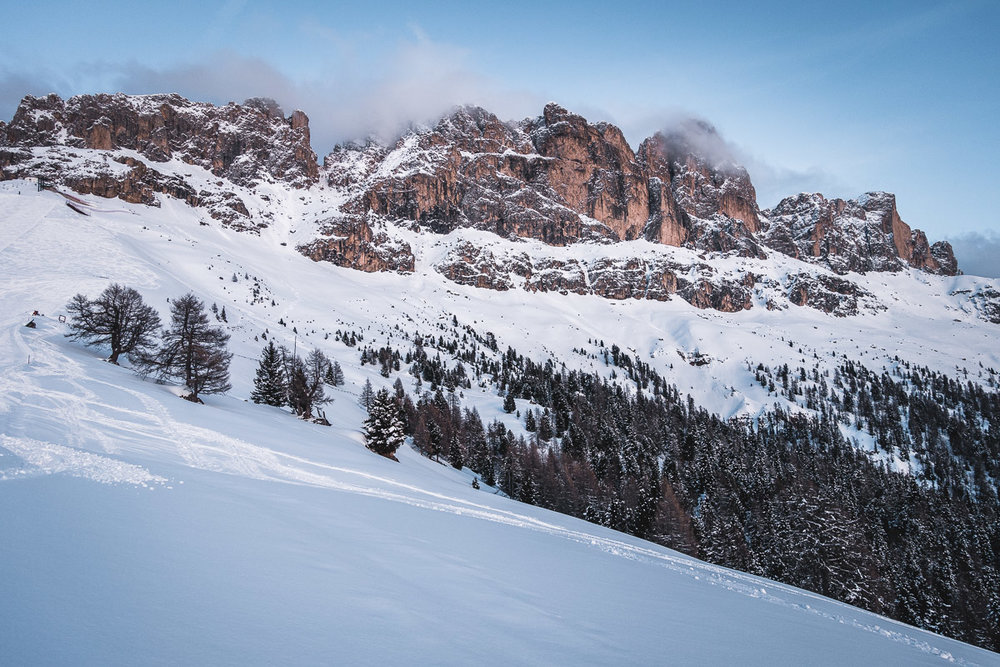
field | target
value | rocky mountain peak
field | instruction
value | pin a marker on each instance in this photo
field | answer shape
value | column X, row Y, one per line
column 554, row 113
column 862, row 234
column 555, row 178
column 704, row 174
column 242, row 143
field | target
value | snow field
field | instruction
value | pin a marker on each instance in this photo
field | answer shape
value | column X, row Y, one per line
column 141, row 528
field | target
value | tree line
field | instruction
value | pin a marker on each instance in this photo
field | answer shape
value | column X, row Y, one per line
column 785, row 495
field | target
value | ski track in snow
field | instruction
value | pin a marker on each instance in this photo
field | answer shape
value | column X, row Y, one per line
column 46, row 458
column 205, row 449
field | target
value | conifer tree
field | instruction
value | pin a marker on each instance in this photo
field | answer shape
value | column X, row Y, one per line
column 270, row 386
column 193, row 351
column 455, row 455
column 367, row 395
column 336, row 374
column 508, row 403
column 383, row 429
column 545, row 426
column 529, row 422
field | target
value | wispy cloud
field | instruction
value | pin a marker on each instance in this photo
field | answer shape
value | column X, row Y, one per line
column 15, row 85
column 417, row 81
column 978, row 253
column 772, row 182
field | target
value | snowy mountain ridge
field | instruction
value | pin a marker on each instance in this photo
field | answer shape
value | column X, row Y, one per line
column 557, row 179
column 555, row 283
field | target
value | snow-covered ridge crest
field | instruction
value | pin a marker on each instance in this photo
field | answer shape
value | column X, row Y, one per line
column 556, row 179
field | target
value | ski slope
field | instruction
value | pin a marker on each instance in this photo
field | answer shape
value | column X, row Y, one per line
column 139, row 528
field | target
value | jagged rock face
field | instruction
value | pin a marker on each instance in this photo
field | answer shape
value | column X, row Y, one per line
column 244, row 144
column 864, row 234
column 351, row 242
column 713, row 198
column 653, row 278
column 986, row 300
column 468, row 264
column 911, row 244
column 944, row 255
column 551, row 178
column 668, row 223
column 830, row 294
column 724, row 294
column 593, row 170
column 704, row 178
column 557, row 179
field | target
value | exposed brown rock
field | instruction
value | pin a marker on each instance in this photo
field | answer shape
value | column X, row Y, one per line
column 635, row 278
column 705, row 184
column 473, row 266
column 559, row 276
column 556, row 178
column 864, row 234
column 726, row 295
column 945, row 257
column 830, row 294
column 593, row 170
column 241, row 143
column 350, row 241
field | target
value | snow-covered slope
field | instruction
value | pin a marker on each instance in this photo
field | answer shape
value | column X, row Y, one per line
column 139, row 528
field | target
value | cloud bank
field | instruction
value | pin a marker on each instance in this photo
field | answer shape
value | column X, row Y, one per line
column 978, row 253
column 415, row 83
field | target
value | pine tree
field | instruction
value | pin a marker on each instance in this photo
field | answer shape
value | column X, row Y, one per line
column 508, row 403
column 455, row 454
column 367, row 395
column 336, row 374
column 118, row 318
column 193, row 351
column 297, row 392
column 383, row 429
column 270, row 386
column 529, row 422
column 545, row 426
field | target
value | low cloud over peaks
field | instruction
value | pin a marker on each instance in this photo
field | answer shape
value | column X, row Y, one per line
column 978, row 253
column 700, row 138
column 416, row 81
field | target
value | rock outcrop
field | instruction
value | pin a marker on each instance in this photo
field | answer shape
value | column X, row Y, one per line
column 655, row 278
column 559, row 179
column 718, row 201
column 556, row 178
column 243, row 144
column 830, row 294
column 861, row 235
column 351, row 242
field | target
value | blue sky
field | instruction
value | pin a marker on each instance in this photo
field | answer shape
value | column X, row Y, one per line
column 832, row 97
